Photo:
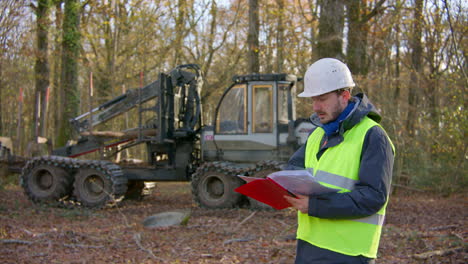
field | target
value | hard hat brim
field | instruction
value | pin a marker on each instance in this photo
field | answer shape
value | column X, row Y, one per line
column 305, row 94
column 309, row 94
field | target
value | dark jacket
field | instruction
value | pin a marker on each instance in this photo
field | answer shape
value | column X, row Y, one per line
column 375, row 173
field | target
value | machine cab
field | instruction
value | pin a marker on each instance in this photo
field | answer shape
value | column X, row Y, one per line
column 253, row 120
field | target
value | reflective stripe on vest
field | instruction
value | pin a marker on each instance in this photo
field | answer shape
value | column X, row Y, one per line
column 345, row 183
column 338, row 167
column 333, row 179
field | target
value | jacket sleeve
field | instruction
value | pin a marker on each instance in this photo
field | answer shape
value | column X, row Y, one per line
column 370, row 192
column 297, row 160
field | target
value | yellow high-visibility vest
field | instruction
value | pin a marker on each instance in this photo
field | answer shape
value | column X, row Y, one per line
column 338, row 168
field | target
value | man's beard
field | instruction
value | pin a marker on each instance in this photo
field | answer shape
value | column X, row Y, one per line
column 336, row 111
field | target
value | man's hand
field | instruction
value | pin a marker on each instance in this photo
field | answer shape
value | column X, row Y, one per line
column 301, row 203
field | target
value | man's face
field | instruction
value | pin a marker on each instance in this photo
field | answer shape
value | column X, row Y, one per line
column 330, row 105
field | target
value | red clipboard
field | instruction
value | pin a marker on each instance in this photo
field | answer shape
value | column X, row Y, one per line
column 266, row 191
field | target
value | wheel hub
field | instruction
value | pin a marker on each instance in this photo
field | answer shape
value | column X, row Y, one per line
column 94, row 185
column 44, row 180
column 215, row 187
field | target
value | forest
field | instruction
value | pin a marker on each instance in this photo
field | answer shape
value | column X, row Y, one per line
column 409, row 57
column 61, row 58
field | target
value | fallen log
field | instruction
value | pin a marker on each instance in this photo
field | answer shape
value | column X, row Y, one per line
column 15, row 241
column 131, row 134
column 441, row 252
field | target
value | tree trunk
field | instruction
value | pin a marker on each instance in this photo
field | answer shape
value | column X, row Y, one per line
column 1, row 100
column 252, row 38
column 416, row 65
column 211, row 37
column 106, row 75
column 396, row 75
column 396, row 94
column 41, row 68
column 331, row 24
column 356, row 54
column 280, row 37
column 69, row 80
column 359, row 16
column 19, row 127
column 57, row 92
column 180, row 22
column 313, row 28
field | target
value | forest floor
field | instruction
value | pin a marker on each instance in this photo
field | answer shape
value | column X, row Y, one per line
column 419, row 228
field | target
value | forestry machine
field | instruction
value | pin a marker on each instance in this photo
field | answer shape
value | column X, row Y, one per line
column 254, row 131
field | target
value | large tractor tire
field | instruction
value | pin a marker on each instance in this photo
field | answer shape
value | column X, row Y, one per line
column 3, row 163
column 214, row 188
column 5, row 153
column 99, row 185
column 45, row 183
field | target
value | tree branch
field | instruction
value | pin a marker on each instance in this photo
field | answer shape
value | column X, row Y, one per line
column 441, row 252
column 137, row 238
column 377, row 9
column 243, row 221
column 15, row 241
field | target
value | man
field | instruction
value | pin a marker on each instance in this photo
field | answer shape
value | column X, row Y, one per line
column 348, row 151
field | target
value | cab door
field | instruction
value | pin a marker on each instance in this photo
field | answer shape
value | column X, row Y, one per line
column 262, row 115
column 245, row 129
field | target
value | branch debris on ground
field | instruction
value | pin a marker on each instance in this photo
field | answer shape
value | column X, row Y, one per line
column 419, row 228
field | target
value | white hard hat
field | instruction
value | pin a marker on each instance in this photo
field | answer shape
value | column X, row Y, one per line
column 326, row 75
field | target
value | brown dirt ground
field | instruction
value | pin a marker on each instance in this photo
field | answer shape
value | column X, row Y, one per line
column 416, row 223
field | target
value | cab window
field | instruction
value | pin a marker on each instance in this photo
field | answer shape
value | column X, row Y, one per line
column 232, row 114
column 283, row 103
column 262, row 112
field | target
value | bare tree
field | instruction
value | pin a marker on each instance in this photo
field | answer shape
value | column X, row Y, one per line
column 309, row 13
column 397, row 59
column 56, row 116
column 359, row 16
column 179, row 30
column 416, row 66
column 331, row 25
column 69, row 80
column 10, row 17
column 280, row 37
column 252, row 37
column 42, row 69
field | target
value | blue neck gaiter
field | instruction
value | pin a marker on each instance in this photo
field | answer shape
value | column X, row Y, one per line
column 332, row 127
